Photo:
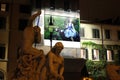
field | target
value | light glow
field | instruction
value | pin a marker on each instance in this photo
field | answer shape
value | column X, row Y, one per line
column 57, row 14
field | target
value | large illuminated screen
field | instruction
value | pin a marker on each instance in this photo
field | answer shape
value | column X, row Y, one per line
column 64, row 26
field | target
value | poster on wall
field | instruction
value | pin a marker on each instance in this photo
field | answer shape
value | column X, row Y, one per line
column 65, row 27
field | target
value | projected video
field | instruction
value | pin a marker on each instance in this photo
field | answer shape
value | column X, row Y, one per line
column 63, row 28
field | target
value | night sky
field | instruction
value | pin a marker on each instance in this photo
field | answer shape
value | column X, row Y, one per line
column 99, row 9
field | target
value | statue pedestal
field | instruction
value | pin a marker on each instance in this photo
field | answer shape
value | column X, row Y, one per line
column 75, row 69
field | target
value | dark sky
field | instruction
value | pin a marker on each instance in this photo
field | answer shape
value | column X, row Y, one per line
column 99, row 9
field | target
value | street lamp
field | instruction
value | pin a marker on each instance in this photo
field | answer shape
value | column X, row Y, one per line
column 51, row 29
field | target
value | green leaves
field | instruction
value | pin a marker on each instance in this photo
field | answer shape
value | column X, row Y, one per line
column 96, row 69
column 91, row 44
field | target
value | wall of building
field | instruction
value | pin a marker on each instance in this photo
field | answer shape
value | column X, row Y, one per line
column 12, row 36
column 4, row 40
column 15, row 34
column 113, row 31
column 113, row 41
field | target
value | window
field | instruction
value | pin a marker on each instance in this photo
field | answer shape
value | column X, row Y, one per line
column 82, row 34
column 109, row 55
column 118, row 54
column 83, row 53
column 2, row 23
column 118, row 35
column 25, row 9
column 22, row 24
column 2, row 51
column 107, row 34
column 95, row 54
column 1, row 75
column 95, row 33
column 4, row 7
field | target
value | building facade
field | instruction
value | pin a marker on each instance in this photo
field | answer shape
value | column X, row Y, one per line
column 14, row 15
column 106, row 36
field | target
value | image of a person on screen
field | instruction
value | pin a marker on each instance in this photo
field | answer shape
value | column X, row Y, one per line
column 70, row 31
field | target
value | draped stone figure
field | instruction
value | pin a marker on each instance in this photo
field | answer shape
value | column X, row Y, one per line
column 31, row 60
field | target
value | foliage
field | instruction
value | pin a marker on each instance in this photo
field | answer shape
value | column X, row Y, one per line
column 102, row 55
column 96, row 69
column 116, row 57
column 91, row 44
column 47, row 34
column 96, row 46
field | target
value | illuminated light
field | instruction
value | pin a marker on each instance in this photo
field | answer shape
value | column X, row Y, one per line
column 87, row 78
column 96, row 54
column 78, row 11
column 59, row 18
column 83, row 53
column 109, row 55
column 3, row 7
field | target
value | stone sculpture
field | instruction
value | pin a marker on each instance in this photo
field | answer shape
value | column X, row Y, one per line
column 31, row 60
column 32, row 64
column 54, row 66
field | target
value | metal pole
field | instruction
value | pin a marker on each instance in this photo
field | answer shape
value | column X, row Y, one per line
column 51, row 39
column 102, row 41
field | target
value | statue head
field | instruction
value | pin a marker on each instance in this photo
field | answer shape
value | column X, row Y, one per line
column 58, row 47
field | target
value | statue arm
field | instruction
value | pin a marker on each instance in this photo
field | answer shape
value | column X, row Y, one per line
column 32, row 18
